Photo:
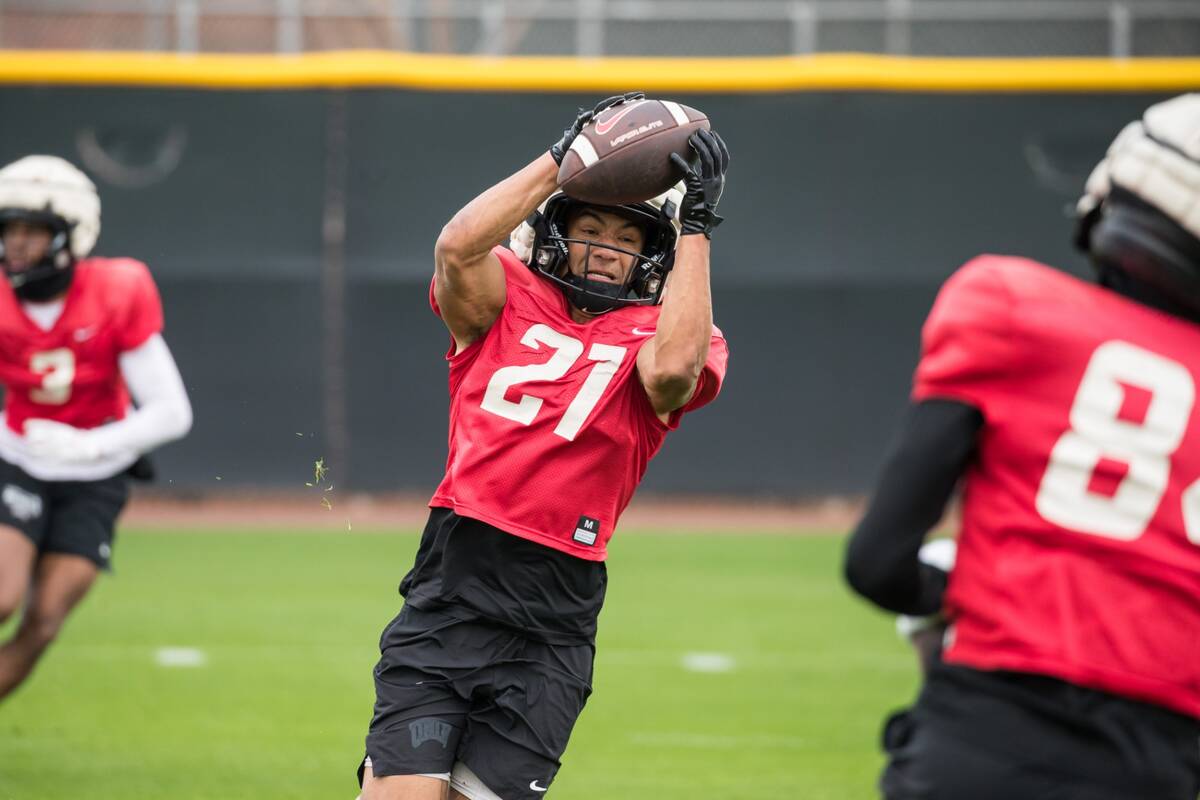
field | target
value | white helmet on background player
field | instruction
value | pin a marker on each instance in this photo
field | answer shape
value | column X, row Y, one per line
column 1140, row 212
column 541, row 242
column 49, row 191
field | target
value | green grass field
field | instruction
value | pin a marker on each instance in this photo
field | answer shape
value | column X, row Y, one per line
column 288, row 623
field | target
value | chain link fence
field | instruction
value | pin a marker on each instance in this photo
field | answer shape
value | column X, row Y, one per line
column 1118, row 28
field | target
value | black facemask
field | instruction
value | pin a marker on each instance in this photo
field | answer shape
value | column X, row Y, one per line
column 646, row 279
column 1141, row 253
column 47, row 287
column 49, row 277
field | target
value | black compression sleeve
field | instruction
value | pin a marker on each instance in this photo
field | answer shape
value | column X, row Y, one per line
column 919, row 475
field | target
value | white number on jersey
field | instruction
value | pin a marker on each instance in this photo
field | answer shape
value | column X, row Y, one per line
column 57, row 368
column 566, row 350
column 1144, row 447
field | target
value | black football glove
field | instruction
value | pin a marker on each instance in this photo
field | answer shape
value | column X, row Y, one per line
column 705, row 180
column 558, row 150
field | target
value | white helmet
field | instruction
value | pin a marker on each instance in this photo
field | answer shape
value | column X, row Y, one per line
column 1156, row 158
column 1140, row 211
column 541, row 242
column 50, row 191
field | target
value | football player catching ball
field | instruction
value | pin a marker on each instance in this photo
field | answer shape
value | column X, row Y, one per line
column 79, row 337
column 1068, row 411
column 574, row 351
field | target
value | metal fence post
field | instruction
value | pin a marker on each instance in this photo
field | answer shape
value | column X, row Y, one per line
column 1120, row 30
column 898, row 34
column 333, row 288
column 492, row 15
column 187, row 26
column 589, row 28
column 804, row 26
column 289, row 30
column 400, row 24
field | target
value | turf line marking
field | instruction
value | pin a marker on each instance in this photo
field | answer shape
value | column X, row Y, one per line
column 700, row 741
column 878, row 659
column 180, row 657
column 708, row 662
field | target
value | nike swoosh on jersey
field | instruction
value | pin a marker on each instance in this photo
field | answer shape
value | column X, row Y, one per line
column 534, row 785
column 640, row 332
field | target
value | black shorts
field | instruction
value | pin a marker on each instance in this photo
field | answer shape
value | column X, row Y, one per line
column 73, row 517
column 1004, row 736
column 449, row 690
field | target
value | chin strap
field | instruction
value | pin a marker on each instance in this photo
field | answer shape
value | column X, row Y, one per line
column 588, row 303
column 40, row 288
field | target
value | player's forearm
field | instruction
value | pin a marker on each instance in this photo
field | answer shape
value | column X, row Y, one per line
column 917, row 481
column 164, row 412
column 144, row 429
column 685, row 324
column 488, row 219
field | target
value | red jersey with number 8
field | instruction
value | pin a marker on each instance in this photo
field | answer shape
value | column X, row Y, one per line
column 550, row 427
column 70, row 373
column 1079, row 555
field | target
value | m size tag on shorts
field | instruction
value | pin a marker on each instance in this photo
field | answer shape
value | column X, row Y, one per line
column 587, row 530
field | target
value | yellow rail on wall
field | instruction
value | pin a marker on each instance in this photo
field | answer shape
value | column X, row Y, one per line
column 823, row 72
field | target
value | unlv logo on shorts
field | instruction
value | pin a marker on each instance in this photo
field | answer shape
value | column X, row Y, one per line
column 22, row 504
column 429, row 729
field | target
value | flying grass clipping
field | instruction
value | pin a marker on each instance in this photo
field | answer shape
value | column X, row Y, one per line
column 319, row 483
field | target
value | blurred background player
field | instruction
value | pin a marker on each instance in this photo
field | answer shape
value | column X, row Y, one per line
column 1068, row 411
column 571, row 360
column 78, row 337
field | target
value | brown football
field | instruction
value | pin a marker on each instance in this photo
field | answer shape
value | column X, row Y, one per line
column 624, row 155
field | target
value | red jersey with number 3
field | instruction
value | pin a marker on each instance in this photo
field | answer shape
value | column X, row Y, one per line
column 1079, row 555
column 550, row 427
column 70, row 373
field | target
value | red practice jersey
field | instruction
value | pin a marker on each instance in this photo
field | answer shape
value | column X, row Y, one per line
column 550, row 427
column 1079, row 555
column 69, row 373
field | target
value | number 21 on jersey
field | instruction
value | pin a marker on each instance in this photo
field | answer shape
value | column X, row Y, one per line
column 1142, row 445
column 565, row 351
